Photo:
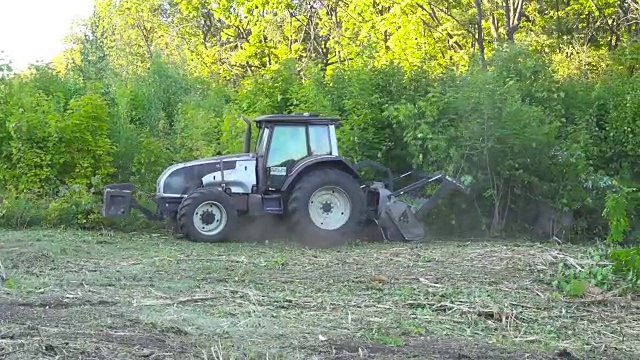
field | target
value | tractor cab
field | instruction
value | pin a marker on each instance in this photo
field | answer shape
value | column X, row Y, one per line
column 286, row 143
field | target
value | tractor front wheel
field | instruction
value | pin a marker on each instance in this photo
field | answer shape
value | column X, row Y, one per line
column 326, row 207
column 207, row 214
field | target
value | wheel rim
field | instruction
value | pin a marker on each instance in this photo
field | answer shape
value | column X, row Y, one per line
column 329, row 208
column 210, row 218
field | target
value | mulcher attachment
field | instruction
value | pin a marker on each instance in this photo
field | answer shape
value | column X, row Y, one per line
column 397, row 218
column 119, row 200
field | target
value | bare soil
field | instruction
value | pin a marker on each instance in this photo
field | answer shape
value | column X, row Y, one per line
column 83, row 295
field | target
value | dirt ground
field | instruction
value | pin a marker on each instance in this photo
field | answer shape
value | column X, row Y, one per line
column 82, row 295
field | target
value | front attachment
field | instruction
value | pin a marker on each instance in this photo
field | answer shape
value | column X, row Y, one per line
column 395, row 217
column 447, row 185
column 399, row 220
column 405, row 221
column 118, row 200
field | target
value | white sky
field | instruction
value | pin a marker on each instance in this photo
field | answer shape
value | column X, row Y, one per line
column 32, row 30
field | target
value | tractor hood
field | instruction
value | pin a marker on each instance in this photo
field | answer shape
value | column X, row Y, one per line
column 231, row 157
column 179, row 179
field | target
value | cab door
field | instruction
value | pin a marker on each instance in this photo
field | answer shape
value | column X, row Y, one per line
column 287, row 146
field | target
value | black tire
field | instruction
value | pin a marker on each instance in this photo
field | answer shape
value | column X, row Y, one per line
column 198, row 197
column 299, row 216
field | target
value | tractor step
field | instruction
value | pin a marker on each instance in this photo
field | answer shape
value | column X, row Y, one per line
column 272, row 204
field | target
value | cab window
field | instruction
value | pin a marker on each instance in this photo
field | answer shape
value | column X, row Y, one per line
column 319, row 140
column 288, row 145
column 261, row 147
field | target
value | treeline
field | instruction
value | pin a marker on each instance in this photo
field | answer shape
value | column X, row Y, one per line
column 536, row 105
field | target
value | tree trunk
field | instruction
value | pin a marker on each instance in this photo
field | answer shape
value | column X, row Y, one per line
column 513, row 12
column 480, row 33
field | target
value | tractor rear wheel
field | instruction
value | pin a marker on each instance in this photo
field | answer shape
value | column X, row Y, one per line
column 207, row 214
column 326, row 207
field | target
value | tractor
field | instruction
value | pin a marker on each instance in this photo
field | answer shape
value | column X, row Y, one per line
column 295, row 173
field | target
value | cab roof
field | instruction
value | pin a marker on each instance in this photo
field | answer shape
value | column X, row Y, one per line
column 305, row 118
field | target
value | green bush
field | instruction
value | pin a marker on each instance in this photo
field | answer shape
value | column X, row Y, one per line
column 198, row 125
column 74, row 207
column 83, row 138
column 34, row 156
column 575, row 280
column 621, row 271
column 626, row 263
column 21, row 212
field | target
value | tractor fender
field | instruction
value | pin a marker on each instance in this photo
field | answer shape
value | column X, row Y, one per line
column 314, row 162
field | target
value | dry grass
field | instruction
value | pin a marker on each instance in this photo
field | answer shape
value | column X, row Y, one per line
column 80, row 294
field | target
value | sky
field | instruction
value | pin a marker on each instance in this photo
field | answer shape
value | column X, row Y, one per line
column 32, row 30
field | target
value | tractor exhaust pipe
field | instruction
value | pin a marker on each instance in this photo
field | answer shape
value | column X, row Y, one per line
column 247, row 135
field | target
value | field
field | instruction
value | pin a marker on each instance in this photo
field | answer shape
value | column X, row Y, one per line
column 71, row 295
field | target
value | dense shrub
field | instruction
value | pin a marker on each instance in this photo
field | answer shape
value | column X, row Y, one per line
column 615, row 266
column 525, row 139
